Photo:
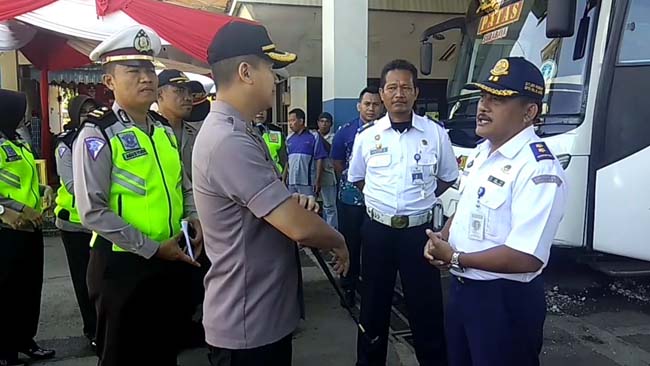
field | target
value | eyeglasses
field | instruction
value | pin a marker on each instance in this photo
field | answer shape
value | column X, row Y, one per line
column 392, row 89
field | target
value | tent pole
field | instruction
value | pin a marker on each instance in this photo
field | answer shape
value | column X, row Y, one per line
column 46, row 150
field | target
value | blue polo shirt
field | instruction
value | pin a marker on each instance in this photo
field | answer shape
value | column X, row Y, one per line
column 349, row 194
column 303, row 150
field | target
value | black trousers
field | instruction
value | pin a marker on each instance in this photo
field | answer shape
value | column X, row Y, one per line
column 386, row 251
column 137, row 304
column 21, row 282
column 498, row 322
column 350, row 222
column 77, row 250
column 274, row 354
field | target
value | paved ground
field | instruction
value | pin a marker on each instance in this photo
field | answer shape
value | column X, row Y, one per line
column 327, row 337
column 592, row 320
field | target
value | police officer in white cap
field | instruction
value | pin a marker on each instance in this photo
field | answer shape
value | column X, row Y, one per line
column 130, row 192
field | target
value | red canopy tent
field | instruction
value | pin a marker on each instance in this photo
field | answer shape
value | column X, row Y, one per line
column 188, row 30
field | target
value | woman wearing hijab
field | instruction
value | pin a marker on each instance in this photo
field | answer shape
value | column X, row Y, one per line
column 76, row 238
column 21, row 239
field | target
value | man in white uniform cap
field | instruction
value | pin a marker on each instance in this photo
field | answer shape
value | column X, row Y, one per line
column 131, row 193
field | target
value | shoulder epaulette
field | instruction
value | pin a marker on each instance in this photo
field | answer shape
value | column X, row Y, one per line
column 273, row 127
column 99, row 113
column 436, row 121
column 365, row 127
column 68, row 136
column 159, row 118
column 102, row 117
column 541, row 151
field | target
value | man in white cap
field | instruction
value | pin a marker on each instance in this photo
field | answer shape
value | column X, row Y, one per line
column 131, row 193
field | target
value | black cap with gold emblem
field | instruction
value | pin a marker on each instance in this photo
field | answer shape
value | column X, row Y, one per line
column 131, row 45
column 512, row 76
column 242, row 38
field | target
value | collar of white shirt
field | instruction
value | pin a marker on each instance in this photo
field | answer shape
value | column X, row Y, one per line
column 416, row 121
column 513, row 146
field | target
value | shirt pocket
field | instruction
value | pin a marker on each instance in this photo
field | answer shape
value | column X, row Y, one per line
column 429, row 164
column 497, row 220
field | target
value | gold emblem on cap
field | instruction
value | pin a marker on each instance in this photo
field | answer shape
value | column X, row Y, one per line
column 502, row 68
column 142, row 42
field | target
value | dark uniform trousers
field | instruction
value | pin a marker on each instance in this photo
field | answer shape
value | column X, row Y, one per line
column 274, row 354
column 21, row 281
column 497, row 322
column 350, row 221
column 137, row 304
column 77, row 251
column 385, row 251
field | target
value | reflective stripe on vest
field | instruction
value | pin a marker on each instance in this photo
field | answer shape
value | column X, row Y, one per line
column 18, row 174
column 273, row 140
column 146, row 182
column 66, row 208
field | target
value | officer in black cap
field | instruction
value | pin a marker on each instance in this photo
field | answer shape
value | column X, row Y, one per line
column 252, row 304
column 513, row 197
column 200, row 102
column 130, row 192
column 175, row 103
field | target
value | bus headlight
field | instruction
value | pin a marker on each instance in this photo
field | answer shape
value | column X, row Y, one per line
column 564, row 160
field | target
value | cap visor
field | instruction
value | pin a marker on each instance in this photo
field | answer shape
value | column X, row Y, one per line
column 492, row 88
column 199, row 112
column 281, row 59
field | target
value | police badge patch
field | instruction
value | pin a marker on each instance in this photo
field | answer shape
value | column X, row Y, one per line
column 94, row 145
column 131, row 145
column 11, row 153
column 129, row 140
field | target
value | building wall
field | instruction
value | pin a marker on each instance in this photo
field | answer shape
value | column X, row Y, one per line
column 391, row 35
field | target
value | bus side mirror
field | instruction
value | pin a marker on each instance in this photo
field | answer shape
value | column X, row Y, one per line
column 560, row 18
column 426, row 57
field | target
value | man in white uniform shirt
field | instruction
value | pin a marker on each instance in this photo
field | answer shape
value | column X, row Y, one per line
column 402, row 162
column 513, row 197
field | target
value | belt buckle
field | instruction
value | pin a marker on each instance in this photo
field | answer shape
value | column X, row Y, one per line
column 399, row 222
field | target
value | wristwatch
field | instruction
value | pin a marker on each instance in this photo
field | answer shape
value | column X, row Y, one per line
column 455, row 262
column 2, row 210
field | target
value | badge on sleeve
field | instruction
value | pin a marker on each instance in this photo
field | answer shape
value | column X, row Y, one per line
column 62, row 150
column 547, row 178
column 94, row 145
column 541, row 151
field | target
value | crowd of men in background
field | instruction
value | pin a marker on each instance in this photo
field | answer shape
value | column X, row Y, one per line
column 148, row 192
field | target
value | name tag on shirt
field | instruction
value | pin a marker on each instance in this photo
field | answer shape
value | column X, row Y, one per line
column 378, row 151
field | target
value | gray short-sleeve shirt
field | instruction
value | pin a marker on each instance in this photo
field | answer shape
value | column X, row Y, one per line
column 251, row 294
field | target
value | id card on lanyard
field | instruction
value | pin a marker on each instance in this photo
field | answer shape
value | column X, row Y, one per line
column 477, row 218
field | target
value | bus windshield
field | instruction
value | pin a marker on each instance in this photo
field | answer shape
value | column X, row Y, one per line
column 509, row 28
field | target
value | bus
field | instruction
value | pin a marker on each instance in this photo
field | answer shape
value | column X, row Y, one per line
column 595, row 58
